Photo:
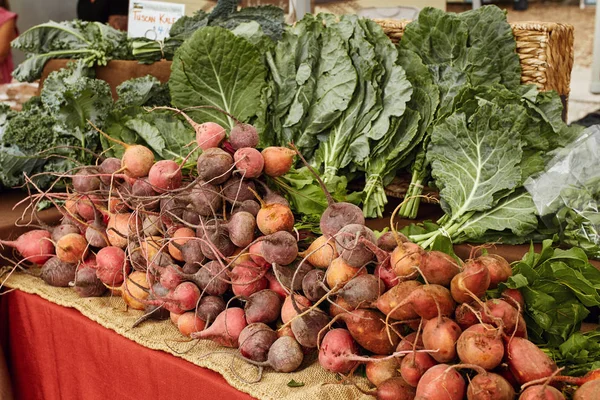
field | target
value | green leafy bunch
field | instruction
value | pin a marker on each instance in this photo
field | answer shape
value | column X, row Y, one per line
column 52, row 135
column 93, row 42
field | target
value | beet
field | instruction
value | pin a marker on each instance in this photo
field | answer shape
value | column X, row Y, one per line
column 58, row 273
column 214, row 165
column 87, row 283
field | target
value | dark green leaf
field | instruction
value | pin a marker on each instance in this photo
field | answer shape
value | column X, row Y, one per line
column 218, row 69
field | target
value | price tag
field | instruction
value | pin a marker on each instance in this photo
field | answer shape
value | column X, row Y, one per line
column 152, row 19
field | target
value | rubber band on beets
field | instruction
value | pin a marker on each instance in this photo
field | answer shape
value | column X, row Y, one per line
column 444, row 232
column 417, row 185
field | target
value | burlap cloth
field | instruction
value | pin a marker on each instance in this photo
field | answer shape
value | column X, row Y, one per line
column 111, row 313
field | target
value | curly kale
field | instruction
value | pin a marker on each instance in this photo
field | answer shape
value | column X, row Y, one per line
column 145, row 91
column 52, row 133
column 73, row 99
column 31, row 130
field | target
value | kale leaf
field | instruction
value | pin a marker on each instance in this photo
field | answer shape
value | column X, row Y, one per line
column 94, row 42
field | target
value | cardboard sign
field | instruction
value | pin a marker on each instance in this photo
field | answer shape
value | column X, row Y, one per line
column 152, row 19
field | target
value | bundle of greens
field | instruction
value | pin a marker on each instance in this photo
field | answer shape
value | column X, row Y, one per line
column 559, row 288
column 481, row 156
column 337, row 91
column 93, row 42
column 360, row 107
column 225, row 15
column 461, row 51
column 52, row 134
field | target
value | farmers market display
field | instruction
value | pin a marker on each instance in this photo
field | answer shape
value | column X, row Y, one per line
column 222, row 200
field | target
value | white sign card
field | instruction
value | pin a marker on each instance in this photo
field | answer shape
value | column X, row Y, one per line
column 152, row 19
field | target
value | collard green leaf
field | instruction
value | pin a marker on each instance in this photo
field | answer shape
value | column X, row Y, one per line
column 252, row 32
column 218, row 69
column 397, row 89
column 270, row 18
column 380, row 163
column 291, row 65
column 439, row 38
column 346, row 140
column 426, row 95
column 474, row 160
column 336, row 80
column 515, row 212
column 492, row 55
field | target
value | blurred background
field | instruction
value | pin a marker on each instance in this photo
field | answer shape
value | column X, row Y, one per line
column 579, row 13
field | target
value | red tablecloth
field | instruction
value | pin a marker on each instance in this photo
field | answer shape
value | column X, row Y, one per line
column 55, row 353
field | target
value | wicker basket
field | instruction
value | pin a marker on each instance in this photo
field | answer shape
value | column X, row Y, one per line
column 546, row 53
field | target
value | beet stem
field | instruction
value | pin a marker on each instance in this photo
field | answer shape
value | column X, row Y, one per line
column 330, row 199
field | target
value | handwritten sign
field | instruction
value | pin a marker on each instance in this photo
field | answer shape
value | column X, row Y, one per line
column 152, row 19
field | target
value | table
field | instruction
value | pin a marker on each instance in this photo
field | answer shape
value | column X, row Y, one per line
column 55, row 353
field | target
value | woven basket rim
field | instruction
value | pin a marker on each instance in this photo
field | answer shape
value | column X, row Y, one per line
column 525, row 25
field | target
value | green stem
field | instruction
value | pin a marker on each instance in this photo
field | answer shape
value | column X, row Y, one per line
column 374, row 197
column 442, row 219
column 408, row 205
column 423, row 237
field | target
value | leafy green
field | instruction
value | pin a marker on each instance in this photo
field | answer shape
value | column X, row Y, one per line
column 347, row 138
column 487, row 144
column 218, row 69
column 462, row 51
column 252, row 32
column 188, row 24
column 166, row 134
column 476, row 163
column 143, row 91
column 579, row 354
column 94, row 42
column 52, row 134
column 491, row 55
column 440, row 39
column 269, row 18
column 74, row 99
column 293, row 383
column 312, row 83
column 567, row 193
column 515, row 213
column 559, row 286
column 306, row 197
column 394, row 148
